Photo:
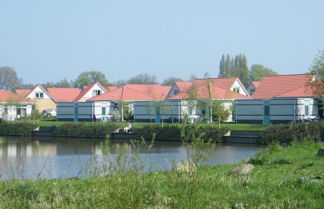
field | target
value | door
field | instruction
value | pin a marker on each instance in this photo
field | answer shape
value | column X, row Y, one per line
column 266, row 112
column 157, row 115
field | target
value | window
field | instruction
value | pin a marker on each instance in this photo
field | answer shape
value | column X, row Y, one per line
column 103, row 111
column 236, row 89
column 96, row 92
column 39, row 95
column 175, row 91
column 306, row 110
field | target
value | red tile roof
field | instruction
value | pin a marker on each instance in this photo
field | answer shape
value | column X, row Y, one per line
column 157, row 92
column 214, row 92
column 124, row 93
column 110, row 88
column 85, row 90
column 63, row 94
column 256, row 83
column 8, row 96
column 219, row 88
column 283, row 85
column 22, row 92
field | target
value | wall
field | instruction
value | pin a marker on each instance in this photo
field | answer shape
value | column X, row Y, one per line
column 89, row 94
column 240, row 86
column 44, row 104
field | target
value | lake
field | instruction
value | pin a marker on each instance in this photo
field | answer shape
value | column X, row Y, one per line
column 26, row 158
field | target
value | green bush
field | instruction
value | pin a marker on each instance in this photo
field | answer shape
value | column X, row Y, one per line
column 87, row 130
column 185, row 132
column 17, row 129
column 286, row 133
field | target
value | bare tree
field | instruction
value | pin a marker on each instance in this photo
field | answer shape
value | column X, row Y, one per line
column 8, row 78
column 143, row 78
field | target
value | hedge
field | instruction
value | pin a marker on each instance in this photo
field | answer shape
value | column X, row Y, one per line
column 286, row 133
column 17, row 129
column 185, row 132
column 86, row 130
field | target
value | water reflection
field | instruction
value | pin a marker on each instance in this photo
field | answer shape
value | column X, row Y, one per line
column 32, row 159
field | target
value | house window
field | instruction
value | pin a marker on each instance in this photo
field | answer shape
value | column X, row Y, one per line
column 175, row 91
column 306, row 110
column 103, row 111
column 96, row 92
column 39, row 95
column 236, row 89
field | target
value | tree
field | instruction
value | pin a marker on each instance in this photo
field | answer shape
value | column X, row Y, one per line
column 143, row 78
column 170, row 81
column 119, row 83
column 220, row 113
column 257, row 72
column 64, row 83
column 8, row 78
column 234, row 67
column 88, row 77
column 317, row 68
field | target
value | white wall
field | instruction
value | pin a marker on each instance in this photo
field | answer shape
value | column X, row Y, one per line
column 32, row 95
column 239, row 86
column 89, row 94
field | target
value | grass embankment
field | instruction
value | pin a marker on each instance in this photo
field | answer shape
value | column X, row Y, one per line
column 291, row 177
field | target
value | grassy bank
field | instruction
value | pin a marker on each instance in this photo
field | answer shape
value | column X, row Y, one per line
column 290, row 177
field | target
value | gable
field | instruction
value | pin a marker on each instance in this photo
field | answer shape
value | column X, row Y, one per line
column 38, row 92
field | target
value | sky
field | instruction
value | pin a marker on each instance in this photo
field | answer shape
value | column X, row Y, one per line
column 47, row 41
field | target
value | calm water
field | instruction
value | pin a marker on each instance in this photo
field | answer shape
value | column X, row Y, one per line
column 32, row 159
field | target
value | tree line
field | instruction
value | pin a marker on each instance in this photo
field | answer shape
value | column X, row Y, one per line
column 235, row 66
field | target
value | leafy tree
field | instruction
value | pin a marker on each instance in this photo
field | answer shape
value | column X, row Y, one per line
column 220, row 113
column 257, row 72
column 234, row 67
column 317, row 68
column 143, row 78
column 88, row 77
column 64, row 83
column 8, row 78
column 170, row 81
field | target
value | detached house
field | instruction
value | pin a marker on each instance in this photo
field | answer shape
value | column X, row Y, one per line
column 14, row 106
column 182, row 97
column 279, row 99
column 47, row 98
column 104, row 105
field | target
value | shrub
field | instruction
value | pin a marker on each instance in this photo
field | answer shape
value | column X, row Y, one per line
column 286, row 133
column 17, row 129
column 189, row 132
column 93, row 130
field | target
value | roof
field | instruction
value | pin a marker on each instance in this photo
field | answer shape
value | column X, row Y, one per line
column 124, row 93
column 183, row 86
column 214, row 92
column 8, row 96
column 283, row 85
column 22, row 92
column 63, row 94
column 256, row 83
column 157, row 92
column 85, row 90
column 218, row 88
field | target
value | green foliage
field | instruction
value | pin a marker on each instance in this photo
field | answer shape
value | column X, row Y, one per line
column 234, row 67
column 88, row 77
column 87, row 130
column 287, row 133
column 143, row 78
column 17, row 129
column 290, row 177
column 176, row 132
column 219, row 112
column 317, row 68
column 257, row 72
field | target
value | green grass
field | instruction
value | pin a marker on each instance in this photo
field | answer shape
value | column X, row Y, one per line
column 290, row 177
column 231, row 126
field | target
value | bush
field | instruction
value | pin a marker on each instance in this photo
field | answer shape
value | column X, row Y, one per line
column 93, row 130
column 17, row 129
column 185, row 132
column 286, row 133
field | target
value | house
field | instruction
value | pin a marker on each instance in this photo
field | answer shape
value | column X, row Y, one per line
column 253, row 86
column 13, row 106
column 183, row 96
column 102, row 106
column 47, row 98
column 279, row 99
